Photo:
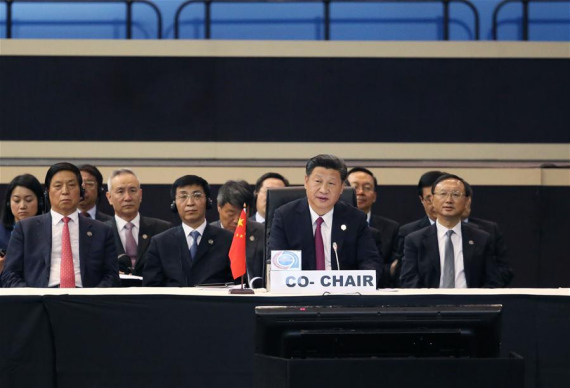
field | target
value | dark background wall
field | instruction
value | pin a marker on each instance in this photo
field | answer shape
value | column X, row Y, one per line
column 420, row 100
column 285, row 99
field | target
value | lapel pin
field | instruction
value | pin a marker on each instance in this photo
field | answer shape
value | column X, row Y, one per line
column 89, row 234
column 210, row 242
column 471, row 242
column 343, row 227
column 145, row 236
column 251, row 238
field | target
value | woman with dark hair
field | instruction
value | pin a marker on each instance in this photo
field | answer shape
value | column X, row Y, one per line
column 23, row 199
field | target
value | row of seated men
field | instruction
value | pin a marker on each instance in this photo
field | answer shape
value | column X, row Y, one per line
column 75, row 245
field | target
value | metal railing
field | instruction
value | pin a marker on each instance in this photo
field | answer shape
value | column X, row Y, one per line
column 326, row 12
column 128, row 16
column 525, row 14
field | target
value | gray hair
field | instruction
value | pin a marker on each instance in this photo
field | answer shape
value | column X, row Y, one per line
column 118, row 172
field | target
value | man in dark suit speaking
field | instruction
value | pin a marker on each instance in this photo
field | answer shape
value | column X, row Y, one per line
column 449, row 253
column 60, row 248
column 194, row 253
column 324, row 229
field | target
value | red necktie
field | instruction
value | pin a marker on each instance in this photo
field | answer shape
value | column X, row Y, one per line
column 319, row 247
column 66, row 270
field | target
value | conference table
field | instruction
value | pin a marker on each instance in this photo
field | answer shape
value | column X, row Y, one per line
column 204, row 337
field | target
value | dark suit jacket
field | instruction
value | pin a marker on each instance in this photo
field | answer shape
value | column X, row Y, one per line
column 149, row 227
column 4, row 237
column 255, row 234
column 421, row 266
column 29, row 254
column 388, row 232
column 505, row 271
column 99, row 216
column 168, row 262
column 292, row 230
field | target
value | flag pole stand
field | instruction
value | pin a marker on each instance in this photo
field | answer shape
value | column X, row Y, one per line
column 241, row 290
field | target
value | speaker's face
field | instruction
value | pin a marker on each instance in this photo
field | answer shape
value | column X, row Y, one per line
column 64, row 192
column 91, row 190
column 191, row 205
column 324, row 188
column 23, row 203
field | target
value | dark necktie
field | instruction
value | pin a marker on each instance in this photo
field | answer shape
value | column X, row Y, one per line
column 319, row 247
column 194, row 248
column 85, row 214
column 448, row 280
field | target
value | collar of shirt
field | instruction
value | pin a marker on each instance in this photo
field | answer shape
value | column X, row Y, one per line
column 442, row 230
column 92, row 212
column 121, row 223
column 200, row 229
column 327, row 218
column 56, row 218
column 431, row 222
column 259, row 218
column 369, row 217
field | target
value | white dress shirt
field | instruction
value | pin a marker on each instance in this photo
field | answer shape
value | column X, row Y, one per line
column 188, row 230
column 259, row 218
column 457, row 240
column 326, row 230
column 123, row 232
column 56, row 233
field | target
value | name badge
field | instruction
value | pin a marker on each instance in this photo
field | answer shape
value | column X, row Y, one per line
column 319, row 282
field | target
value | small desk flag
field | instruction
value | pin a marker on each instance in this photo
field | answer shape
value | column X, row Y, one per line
column 237, row 250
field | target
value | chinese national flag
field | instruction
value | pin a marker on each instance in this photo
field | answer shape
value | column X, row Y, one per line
column 237, row 250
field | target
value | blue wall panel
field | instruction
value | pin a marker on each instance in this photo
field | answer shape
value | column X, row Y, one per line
column 298, row 21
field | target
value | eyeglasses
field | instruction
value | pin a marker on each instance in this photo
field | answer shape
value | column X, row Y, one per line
column 196, row 196
column 428, row 198
column 455, row 195
column 89, row 184
column 365, row 188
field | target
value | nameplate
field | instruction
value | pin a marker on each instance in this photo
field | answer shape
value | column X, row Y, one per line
column 319, row 282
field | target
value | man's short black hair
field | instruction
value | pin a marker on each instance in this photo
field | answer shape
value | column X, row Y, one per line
column 364, row 170
column 330, row 162
column 270, row 175
column 236, row 193
column 190, row 180
column 62, row 166
column 31, row 183
column 445, row 177
column 427, row 180
column 91, row 169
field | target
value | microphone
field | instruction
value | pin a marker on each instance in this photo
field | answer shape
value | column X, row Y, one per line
column 125, row 264
column 336, row 255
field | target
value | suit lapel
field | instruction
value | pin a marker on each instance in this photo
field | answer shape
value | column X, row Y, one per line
column 337, row 235
column 118, row 242
column 468, row 251
column 46, row 236
column 431, row 246
column 85, row 234
column 306, row 229
column 144, row 240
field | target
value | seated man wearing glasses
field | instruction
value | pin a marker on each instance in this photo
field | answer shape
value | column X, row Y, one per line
column 194, row 253
column 449, row 254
